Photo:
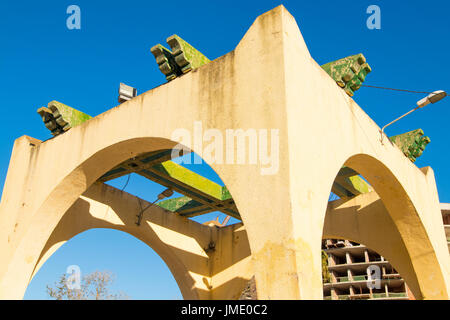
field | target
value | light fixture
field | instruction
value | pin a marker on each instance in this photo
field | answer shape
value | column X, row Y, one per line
column 126, row 92
column 431, row 98
column 165, row 194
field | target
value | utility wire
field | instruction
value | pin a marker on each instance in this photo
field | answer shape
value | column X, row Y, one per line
column 141, row 213
column 403, row 90
column 126, row 183
column 166, row 193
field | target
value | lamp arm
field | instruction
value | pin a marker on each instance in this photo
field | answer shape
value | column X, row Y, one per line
column 387, row 125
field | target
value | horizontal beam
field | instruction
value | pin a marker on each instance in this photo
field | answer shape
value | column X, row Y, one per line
column 165, row 179
column 138, row 163
column 202, row 195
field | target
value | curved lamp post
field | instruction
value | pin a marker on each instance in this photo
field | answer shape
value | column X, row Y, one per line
column 431, row 98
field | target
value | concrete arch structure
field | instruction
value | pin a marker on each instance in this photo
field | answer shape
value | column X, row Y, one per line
column 180, row 244
column 365, row 219
column 269, row 81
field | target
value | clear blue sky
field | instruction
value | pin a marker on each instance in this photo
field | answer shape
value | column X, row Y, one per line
column 41, row 60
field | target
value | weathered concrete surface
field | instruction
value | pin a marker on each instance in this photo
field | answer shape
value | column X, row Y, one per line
column 182, row 243
column 224, row 271
column 178, row 241
column 320, row 128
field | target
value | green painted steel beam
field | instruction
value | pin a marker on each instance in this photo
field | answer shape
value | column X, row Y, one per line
column 341, row 191
column 192, row 185
column 175, row 204
column 135, row 164
column 185, row 206
column 191, row 179
column 354, row 185
column 346, row 172
column 349, row 183
column 206, row 195
column 411, row 143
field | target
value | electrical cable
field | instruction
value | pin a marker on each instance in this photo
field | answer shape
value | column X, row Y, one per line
column 166, row 193
column 126, row 183
column 386, row 88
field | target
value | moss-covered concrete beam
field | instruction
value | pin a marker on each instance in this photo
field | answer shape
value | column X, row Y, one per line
column 349, row 73
column 201, row 194
column 189, row 183
column 190, row 178
column 355, row 185
column 206, row 195
column 411, row 143
column 138, row 163
column 175, row 204
column 59, row 118
column 341, row 191
column 348, row 183
column 185, row 206
column 182, row 59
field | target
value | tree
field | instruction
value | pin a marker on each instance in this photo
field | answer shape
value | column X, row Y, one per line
column 93, row 286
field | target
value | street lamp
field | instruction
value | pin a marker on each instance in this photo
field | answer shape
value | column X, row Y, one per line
column 431, row 98
column 165, row 194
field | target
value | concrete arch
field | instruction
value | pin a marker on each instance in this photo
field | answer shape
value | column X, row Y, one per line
column 59, row 219
column 103, row 206
column 387, row 221
column 364, row 219
column 64, row 194
column 427, row 277
column 53, row 245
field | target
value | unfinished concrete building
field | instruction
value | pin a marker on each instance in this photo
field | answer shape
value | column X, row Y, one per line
column 445, row 208
column 348, row 264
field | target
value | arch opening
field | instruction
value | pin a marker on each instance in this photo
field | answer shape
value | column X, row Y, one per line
column 138, row 271
column 357, row 272
column 373, row 208
column 87, row 180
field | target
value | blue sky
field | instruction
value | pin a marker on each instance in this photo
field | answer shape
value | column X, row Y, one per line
column 41, row 60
